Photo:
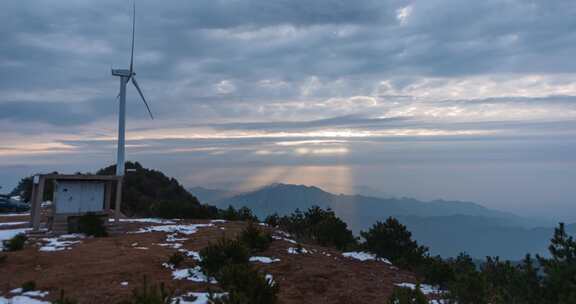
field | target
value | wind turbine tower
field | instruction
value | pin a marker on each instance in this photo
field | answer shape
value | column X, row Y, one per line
column 126, row 76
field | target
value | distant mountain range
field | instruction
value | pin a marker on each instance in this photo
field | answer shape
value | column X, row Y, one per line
column 447, row 227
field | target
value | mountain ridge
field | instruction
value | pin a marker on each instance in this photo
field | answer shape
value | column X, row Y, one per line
column 447, row 227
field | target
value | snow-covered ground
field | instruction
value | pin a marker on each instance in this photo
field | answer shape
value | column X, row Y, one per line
column 183, row 228
column 364, row 256
column 12, row 224
column 284, row 239
column 199, row 298
column 263, row 259
column 29, row 297
column 192, row 274
column 424, row 288
column 293, row 250
column 62, row 242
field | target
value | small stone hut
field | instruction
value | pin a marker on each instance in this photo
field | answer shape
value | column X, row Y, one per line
column 73, row 196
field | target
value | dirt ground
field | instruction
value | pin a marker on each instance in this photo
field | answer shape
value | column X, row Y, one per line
column 93, row 270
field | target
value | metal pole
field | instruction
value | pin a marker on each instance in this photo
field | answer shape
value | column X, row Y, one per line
column 121, row 127
column 118, row 200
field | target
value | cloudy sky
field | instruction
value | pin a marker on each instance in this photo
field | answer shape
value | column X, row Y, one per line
column 469, row 100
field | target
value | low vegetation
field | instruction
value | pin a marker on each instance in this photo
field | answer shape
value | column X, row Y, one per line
column 15, row 243
column 28, row 286
column 224, row 252
column 176, row 259
column 92, row 224
column 242, row 214
column 393, row 241
column 150, row 294
column 316, row 225
column 256, row 239
column 246, row 285
column 228, row 262
column 403, row 295
column 541, row 280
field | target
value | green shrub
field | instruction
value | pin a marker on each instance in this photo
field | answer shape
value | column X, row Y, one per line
column 92, row 224
column 15, row 243
column 246, row 285
column 402, row 295
column 225, row 251
column 393, row 241
column 273, row 220
column 332, row 231
column 560, row 269
column 28, row 286
column 255, row 238
column 176, row 259
column 320, row 226
column 150, row 294
column 469, row 285
column 436, row 271
column 242, row 214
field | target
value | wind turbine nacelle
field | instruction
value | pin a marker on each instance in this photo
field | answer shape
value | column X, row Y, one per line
column 122, row 72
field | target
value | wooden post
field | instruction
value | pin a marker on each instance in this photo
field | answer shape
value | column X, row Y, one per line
column 38, row 202
column 33, row 201
column 118, row 200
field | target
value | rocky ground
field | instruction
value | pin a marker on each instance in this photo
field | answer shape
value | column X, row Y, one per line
column 105, row 270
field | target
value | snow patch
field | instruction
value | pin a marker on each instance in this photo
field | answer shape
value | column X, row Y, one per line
column 13, row 223
column 364, row 256
column 424, row 288
column 284, row 239
column 15, row 214
column 61, row 242
column 25, row 298
column 173, row 238
column 196, row 298
column 171, row 245
column 36, row 293
column 192, row 254
column 270, row 279
column 262, row 259
column 293, row 250
column 184, row 229
column 217, row 221
column 21, row 300
column 192, row 274
column 124, row 283
column 145, row 220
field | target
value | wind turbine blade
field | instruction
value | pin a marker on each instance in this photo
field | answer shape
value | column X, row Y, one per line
column 142, row 95
column 133, row 31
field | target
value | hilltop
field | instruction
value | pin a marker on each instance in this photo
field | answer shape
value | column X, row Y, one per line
column 106, row 270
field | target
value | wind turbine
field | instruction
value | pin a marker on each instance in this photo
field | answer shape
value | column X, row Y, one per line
column 125, row 77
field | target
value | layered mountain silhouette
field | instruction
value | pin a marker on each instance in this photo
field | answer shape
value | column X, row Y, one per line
column 447, row 227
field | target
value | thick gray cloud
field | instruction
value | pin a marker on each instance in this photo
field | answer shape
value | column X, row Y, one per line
column 396, row 94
